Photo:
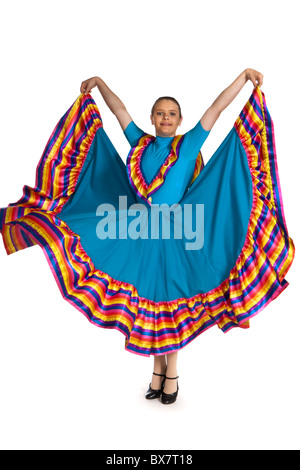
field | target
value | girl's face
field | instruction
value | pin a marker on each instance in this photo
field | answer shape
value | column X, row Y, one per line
column 166, row 118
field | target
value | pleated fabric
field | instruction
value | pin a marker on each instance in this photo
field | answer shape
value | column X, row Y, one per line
column 160, row 295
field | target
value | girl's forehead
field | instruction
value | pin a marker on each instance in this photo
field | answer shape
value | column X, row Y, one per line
column 167, row 104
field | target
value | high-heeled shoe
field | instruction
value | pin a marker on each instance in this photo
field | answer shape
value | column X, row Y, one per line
column 153, row 393
column 168, row 398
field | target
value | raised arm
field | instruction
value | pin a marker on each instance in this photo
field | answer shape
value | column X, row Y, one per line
column 114, row 103
column 227, row 96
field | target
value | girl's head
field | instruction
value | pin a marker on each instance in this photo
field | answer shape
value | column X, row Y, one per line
column 166, row 116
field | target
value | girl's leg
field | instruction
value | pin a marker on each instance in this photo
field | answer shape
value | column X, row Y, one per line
column 160, row 366
column 171, row 385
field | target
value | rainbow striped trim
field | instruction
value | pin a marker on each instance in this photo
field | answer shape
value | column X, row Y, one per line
column 199, row 165
column 155, row 328
column 59, row 167
column 135, row 174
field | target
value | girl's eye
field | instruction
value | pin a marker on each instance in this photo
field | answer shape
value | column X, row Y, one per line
column 159, row 112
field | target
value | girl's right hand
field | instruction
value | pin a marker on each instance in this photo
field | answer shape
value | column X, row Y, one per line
column 255, row 77
column 88, row 84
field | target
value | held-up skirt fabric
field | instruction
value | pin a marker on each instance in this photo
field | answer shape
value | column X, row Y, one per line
column 161, row 292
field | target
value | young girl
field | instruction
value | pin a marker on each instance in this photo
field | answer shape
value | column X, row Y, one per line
column 166, row 117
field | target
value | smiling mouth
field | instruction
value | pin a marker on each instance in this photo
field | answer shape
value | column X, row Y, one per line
column 166, row 124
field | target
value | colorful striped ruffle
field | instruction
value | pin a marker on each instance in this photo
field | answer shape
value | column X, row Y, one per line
column 199, row 165
column 57, row 172
column 135, row 173
column 154, row 327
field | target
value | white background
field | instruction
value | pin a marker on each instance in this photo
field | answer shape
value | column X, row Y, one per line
column 66, row 384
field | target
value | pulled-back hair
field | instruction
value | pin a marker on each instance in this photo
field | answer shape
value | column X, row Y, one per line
column 166, row 98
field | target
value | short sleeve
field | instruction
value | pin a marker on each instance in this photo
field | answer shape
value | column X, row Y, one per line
column 193, row 141
column 133, row 133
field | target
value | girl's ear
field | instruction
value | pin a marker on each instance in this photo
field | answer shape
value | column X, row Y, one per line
column 180, row 121
column 151, row 119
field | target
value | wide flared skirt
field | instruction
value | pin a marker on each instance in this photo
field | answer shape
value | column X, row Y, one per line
column 160, row 276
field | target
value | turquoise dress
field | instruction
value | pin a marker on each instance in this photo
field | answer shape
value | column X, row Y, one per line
column 179, row 177
column 160, row 292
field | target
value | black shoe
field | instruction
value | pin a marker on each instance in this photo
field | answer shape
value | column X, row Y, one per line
column 151, row 392
column 168, row 398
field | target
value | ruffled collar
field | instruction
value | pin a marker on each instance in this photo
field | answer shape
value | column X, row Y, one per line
column 134, row 171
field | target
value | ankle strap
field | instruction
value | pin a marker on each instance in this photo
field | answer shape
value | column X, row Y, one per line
column 161, row 375
column 172, row 377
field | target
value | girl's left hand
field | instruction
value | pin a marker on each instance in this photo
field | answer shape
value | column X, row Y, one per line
column 255, row 77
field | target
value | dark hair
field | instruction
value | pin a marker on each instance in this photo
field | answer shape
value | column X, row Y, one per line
column 166, row 98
